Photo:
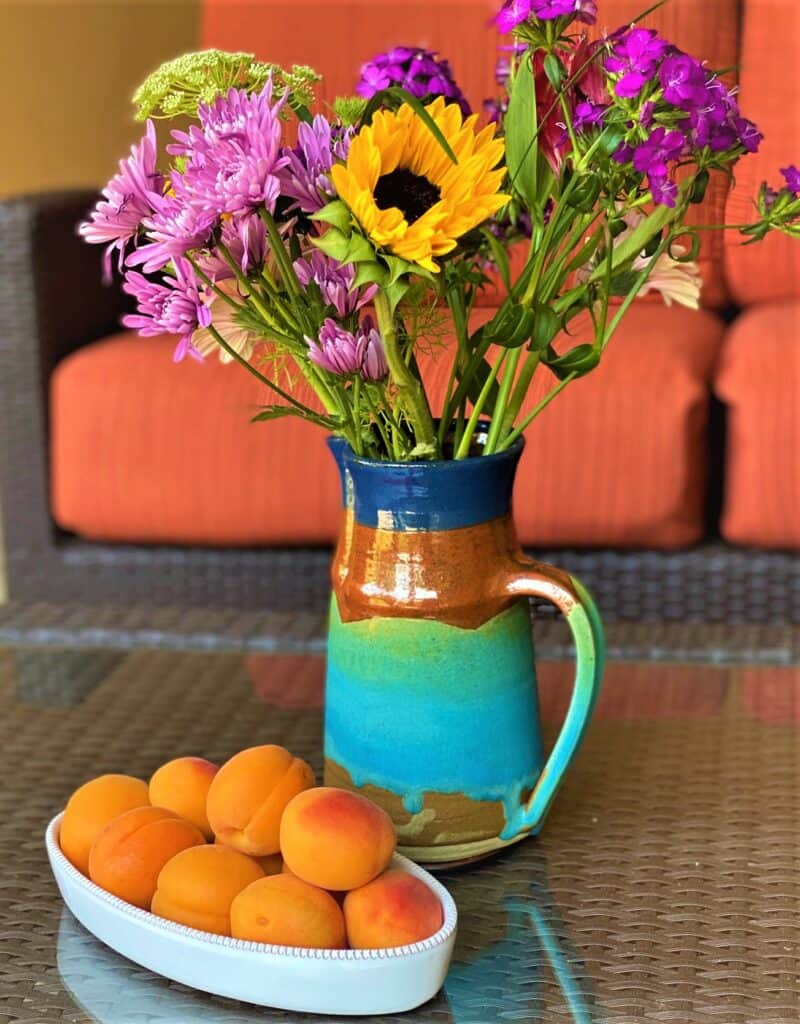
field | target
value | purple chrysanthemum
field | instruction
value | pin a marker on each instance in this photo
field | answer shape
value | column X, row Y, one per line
column 345, row 354
column 335, row 281
column 177, row 226
column 634, row 56
column 174, row 307
column 245, row 238
column 128, row 198
column 414, row 69
column 305, row 178
column 233, row 158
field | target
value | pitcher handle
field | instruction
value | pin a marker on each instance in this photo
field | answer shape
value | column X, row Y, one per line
column 528, row 578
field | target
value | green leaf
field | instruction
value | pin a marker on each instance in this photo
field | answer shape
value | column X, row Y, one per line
column 522, row 151
column 277, row 412
column 554, row 70
column 334, row 244
column 335, row 213
column 699, row 186
column 400, row 95
column 499, row 258
column 397, row 267
column 370, row 272
column 546, row 325
column 359, row 250
column 638, row 239
column 510, row 327
column 395, row 292
column 578, row 361
column 584, row 195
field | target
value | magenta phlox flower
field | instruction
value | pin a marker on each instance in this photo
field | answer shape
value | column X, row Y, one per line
column 634, row 56
column 588, row 115
column 656, row 157
column 128, row 199
column 305, row 176
column 415, row 69
column 345, row 354
column 177, row 226
column 175, row 306
column 582, row 10
column 335, row 282
column 791, row 176
column 513, row 13
column 683, row 79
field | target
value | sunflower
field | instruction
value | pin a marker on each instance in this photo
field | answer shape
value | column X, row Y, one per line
column 405, row 191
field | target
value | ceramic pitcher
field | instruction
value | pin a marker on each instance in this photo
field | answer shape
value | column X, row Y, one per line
column 431, row 706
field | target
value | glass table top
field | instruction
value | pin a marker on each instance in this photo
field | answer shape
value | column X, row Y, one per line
column 663, row 888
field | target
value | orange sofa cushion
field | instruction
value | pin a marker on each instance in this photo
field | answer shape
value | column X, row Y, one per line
column 759, row 379
column 770, row 85
column 143, row 450
column 337, row 36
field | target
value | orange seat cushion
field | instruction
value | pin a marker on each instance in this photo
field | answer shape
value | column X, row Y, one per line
column 770, row 85
column 144, row 450
column 337, row 36
column 759, row 380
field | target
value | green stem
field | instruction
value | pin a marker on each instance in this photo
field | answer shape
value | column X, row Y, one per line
column 245, row 284
column 499, row 411
column 463, row 449
column 259, row 376
column 410, row 392
column 285, row 267
column 526, row 422
column 529, row 367
column 357, row 413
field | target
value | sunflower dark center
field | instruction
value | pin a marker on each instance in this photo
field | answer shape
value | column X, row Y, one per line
column 409, row 192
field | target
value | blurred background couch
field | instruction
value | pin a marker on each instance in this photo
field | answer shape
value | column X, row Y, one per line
column 669, row 478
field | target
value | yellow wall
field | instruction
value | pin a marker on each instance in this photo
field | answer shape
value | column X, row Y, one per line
column 67, row 72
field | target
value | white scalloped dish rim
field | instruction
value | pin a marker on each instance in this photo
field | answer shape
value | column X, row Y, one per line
column 332, row 981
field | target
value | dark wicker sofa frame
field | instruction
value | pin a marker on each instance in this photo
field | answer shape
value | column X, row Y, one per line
column 52, row 302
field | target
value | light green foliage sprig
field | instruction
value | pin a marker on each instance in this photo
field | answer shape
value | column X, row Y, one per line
column 180, row 85
column 349, row 109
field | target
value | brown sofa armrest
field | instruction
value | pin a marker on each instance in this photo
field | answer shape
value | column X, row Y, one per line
column 52, row 301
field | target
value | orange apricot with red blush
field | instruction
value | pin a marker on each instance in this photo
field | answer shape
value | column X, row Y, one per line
column 336, row 839
column 396, row 909
column 128, row 855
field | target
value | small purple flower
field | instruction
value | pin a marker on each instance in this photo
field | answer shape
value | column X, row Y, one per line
column 634, row 57
column 791, row 175
column 335, row 281
column 663, row 190
column 749, row 135
column 174, row 307
column 549, row 10
column 513, row 13
column 129, row 198
column 345, row 354
column 305, row 178
column 588, row 115
column 176, row 227
column 658, row 151
column 414, row 69
column 684, row 80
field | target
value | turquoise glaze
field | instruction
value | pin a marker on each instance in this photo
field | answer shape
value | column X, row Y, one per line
column 431, row 684
column 433, row 700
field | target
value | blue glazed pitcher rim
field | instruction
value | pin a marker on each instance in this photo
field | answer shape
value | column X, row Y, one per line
column 430, row 465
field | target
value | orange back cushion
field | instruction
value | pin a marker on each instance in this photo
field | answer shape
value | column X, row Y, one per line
column 770, row 88
column 336, row 37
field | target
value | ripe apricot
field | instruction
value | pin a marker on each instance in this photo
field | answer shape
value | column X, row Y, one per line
column 198, row 885
column 91, row 807
column 248, row 795
column 286, row 911
column 336, row 839
column 181, row 785
column 129, row 853
column 396, row 909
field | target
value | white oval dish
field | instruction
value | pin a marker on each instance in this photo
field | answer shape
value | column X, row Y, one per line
column 332, row 981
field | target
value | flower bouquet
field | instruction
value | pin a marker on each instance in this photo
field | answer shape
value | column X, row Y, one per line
column 336, row 257
column 331, row 249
